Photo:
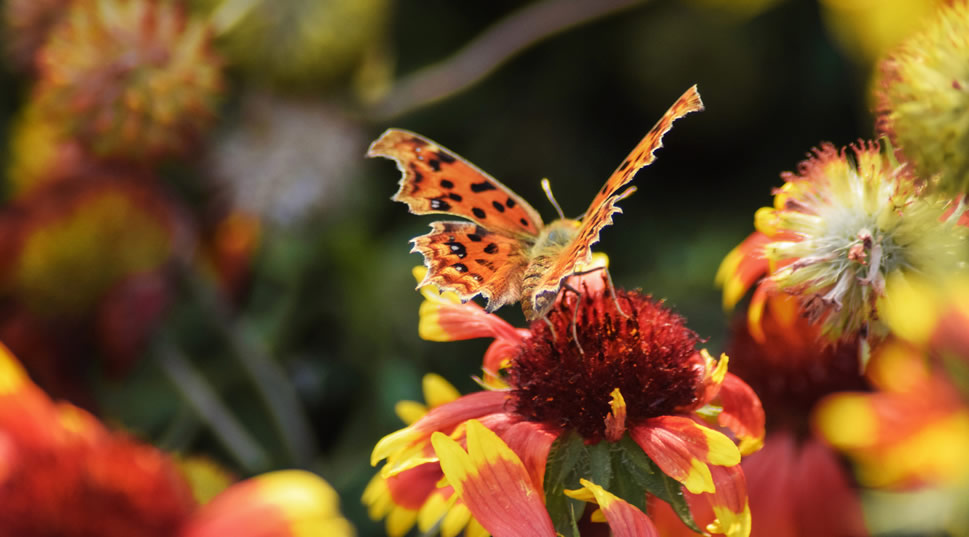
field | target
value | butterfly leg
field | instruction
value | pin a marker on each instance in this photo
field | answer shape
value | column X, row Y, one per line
column 612, row 287
column 575, row 315
column 551, row 327
column 615, row 297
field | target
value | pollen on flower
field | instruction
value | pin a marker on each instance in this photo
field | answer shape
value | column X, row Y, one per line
column 923, row 102
column 649, row 357
column 843, row 223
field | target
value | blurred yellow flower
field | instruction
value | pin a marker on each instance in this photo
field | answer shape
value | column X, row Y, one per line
column 865, row 29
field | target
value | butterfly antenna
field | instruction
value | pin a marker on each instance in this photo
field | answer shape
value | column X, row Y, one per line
column 547, row 187
column 626, row 193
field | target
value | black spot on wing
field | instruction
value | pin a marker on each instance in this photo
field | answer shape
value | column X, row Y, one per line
column 523, row 221
column 479, row 213
column 492, row 248
column 485, row 263
column 510, row 203
column 435, row 164
column 455, row 197
column 474, row 237
column 460, row 267
column 483, row 186
column 498, row 206
column 440, row 205
column 447, row 184
column 445, row 158
column 457, row 248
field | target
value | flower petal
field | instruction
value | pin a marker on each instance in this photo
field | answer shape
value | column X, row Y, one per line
column 438, row 391
column 729, row 502
column 411, row 488
column 616, row 418
column 743, row 266
column 742, row 413
column 682, row 448
column 494, row 484
column 625, row 520
column 287, row 503
column 12, row 374
column 443, row 418
column 822, row 485
column 532, row 442
column 501, row 351
column 444, row 318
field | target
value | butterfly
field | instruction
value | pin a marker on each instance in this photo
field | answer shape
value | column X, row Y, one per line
column 504, row 252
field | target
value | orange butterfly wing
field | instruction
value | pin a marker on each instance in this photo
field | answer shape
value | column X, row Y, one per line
column 465, row 258
column 436, row 180
column 603, row 206
column 486, row 256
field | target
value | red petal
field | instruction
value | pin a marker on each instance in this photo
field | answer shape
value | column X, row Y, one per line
column 474, row 405
column 731, row 488
column 532, row 443
column 742, row 412
column 682, row 448
column 502, row 349
column 410, row 488
column 769, row 478
column 625, row 520
column 494, row 484
column 821, row 485
column 468, row 321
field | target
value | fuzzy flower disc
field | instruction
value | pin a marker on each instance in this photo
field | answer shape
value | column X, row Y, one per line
column 132, row 79
column 923, row 99
column 843, row 223
column 649, row 356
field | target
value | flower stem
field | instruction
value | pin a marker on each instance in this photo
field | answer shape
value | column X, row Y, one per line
column 202, row 398
column 487, row 52
column 269, row 379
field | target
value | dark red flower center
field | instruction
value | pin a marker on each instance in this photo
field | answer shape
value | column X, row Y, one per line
column 648, row 356
column 792, row 369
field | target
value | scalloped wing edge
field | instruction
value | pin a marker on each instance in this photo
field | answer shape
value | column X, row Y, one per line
column 510, row 295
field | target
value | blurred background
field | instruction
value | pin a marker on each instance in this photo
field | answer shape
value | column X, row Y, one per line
column 196, row 250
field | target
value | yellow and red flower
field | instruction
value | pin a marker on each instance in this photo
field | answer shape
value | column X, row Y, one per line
column 630, row 407
column 922, row 100
column 412, row 496
column 840, row 227
column 130, row 79
column 27, row 24
column 914, row 430
column 795, row 476
column 63, row 473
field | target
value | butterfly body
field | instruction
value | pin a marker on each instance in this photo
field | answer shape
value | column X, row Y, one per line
column 504, row 252
column 553, row 240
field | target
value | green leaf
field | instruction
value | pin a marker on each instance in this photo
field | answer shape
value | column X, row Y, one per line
column 566, row 454
column 568, row 460
column 643, row 472
column 625, row 486
column 678, row 502
column 600, row 464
